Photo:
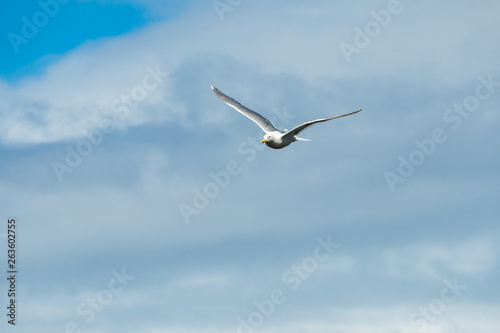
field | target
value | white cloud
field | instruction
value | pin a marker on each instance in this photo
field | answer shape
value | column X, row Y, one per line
column 77, row 90
column 463, row 317
column 121, row 203
column 472, row 258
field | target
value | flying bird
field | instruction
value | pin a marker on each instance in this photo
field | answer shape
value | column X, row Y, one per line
column 274, row 138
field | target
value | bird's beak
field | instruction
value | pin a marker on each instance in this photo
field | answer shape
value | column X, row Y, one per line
column 263, row 141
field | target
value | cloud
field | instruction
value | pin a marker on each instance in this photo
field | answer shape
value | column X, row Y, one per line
column 473, row 258
column 73, row 93
column 119, row 207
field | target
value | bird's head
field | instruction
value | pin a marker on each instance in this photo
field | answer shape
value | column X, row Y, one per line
column 267, row 138
column 273, row 139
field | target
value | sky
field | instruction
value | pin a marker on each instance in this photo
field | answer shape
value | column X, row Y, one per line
column 142, row 202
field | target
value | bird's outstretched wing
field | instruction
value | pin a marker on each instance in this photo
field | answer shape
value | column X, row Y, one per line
column 296, row 130
column 263, row 123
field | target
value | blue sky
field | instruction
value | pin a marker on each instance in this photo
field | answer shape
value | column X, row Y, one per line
column 144, row 203
column 65, row 25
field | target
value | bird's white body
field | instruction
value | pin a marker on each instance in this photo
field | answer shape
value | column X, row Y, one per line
column 273, row 138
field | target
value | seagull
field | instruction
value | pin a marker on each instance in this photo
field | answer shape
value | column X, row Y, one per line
column 273, row 138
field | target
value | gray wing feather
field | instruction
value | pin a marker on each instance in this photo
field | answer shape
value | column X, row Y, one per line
column 296, row 130
column 263, row 123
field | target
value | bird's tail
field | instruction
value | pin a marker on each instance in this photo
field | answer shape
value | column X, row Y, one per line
column 301, row 139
